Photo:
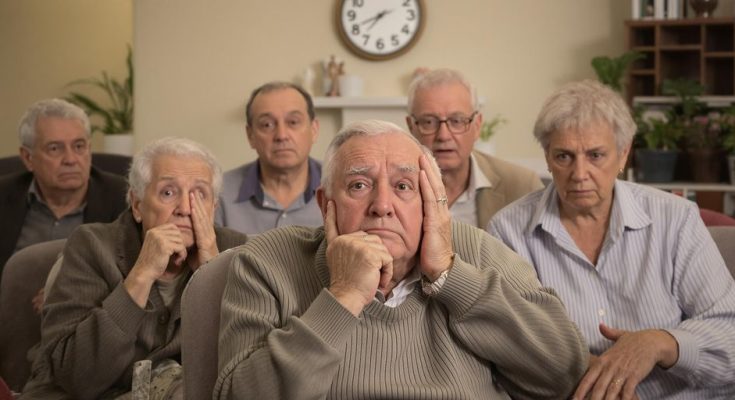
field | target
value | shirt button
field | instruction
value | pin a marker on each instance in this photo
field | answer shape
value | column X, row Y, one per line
column 285, row 215
column 601, row 312
column 162, row 319
column 56, row 223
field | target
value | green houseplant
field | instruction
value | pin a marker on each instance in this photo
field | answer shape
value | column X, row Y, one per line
column 656, row 161
column 117, row 117
column 610, row 70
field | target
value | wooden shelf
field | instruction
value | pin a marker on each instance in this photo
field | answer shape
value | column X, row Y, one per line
column 701, row 49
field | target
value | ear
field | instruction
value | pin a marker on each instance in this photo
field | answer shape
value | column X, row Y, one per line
column 477, row 121
column 249, row 134
column 314, row 130
column 409, row 123
column 135, row 207
column 321, row 199
column 624, row 156
column 25, row 156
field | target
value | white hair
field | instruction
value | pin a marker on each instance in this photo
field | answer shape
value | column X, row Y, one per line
column 369, row 127
column 58, row 108
column 438, row 77
column 141, row 168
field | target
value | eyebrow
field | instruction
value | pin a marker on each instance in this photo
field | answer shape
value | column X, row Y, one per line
column 357, row 170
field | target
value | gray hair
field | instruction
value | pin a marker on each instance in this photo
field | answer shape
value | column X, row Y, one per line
column 577, row 105
column 141, row 168
column 58, row 108
column 371, row 127
column 273, row 86
column 438, row 77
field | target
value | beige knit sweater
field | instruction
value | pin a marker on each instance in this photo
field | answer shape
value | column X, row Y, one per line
column 492, row 331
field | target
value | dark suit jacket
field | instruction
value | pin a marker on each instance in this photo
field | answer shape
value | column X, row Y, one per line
column 105, row 201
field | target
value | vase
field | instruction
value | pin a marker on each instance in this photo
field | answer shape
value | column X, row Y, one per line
column 119, row 143
column 703, row 8
column 655, row 165
column 705, row 164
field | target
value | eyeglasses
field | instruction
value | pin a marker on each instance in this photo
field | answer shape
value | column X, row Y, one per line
column 456, row 124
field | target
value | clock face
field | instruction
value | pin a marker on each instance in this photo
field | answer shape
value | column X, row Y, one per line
column 380, row 29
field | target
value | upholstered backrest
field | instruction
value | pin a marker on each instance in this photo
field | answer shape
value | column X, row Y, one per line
column 23, row 276
column 200, row 311
column 724, row 236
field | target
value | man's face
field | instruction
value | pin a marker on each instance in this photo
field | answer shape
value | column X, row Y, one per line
column 375, row 188
column 584, row 164
column 60, row 157
column 166, row 198
column 281, row 132
column 451, row 151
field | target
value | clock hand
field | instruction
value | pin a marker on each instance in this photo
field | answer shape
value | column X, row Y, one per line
column 379, row 17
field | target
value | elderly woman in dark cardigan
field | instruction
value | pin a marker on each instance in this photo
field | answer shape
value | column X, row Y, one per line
column 117, row 297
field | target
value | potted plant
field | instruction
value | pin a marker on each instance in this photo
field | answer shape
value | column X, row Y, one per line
column 610, row 70
column 657, row 160
column 701, row 138
column 117, row 117
column 728, row 140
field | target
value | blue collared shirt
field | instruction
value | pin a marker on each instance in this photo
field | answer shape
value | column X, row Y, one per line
column 658, row 269
column 245, row 207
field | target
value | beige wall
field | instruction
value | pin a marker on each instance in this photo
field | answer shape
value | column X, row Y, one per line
column 46, row 44
column 196, row 60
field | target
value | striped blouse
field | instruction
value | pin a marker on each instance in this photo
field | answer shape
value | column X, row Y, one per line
column 658, row 268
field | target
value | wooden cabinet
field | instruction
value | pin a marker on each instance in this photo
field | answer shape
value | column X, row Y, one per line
column 702, row 49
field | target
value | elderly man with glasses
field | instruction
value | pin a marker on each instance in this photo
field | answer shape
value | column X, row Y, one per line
column 444, row 116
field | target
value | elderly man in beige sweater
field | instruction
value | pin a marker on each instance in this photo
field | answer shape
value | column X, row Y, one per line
column 390, row 298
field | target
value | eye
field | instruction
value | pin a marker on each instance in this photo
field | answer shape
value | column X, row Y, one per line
column 596, row 155
column 403, row 186
column 53, row 149
column 266, row 125
column 427, row 122
column 294, row 122
column 358, row 186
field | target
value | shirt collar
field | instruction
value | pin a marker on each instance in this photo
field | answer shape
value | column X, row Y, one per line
column 251, row 183
column 626, row 211
column 477, row 181
column 404, row 288
column 34, row 195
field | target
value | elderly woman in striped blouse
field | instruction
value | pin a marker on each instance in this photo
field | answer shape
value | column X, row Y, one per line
column 635, row 266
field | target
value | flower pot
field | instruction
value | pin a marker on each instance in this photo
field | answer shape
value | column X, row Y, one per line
column 655, row 165
column 705, row 164
column 119, row 143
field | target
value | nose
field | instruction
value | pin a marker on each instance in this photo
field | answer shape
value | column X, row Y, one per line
column 580, row 170
column 443, row 133
column 184, row 207
column 281, row 133
column 68, row 157
column 382, row 201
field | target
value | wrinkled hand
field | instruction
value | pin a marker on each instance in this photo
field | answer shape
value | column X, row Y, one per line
column 618, row 371
column 161, row 244
column 436, row 246
column 202, row 222
column 359, row 264
column 37, row 302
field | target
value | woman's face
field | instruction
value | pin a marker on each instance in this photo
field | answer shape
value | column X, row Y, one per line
column 584, row 164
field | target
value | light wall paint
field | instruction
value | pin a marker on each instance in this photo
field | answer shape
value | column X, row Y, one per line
column 197, row 61
column 45, row 44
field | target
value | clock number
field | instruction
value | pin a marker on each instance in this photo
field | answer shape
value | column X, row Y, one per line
column 407, row 3
column 411, row 15
column 351, row 15
column 405, row 29
column 379, row 44
column 355, row 29
column 367, row 39
column 394, row 40
column 357, row 3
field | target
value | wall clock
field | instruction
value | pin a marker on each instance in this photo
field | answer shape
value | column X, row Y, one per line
column 380, row 29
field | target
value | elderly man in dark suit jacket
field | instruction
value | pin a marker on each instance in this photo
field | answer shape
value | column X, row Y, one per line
column 60, row 190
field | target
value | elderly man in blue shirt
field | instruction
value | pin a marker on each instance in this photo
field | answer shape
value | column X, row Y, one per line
column 635, row 266
column 278, row 188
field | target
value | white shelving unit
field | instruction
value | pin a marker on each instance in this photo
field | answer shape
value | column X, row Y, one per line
column 688, row 187
column 352, row 109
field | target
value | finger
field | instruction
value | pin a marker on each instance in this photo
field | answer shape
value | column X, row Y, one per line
column 330, row 222
column 435, row 181
column 588, row 380
column 179, row 256
column 611, row 333
column 428, row 192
